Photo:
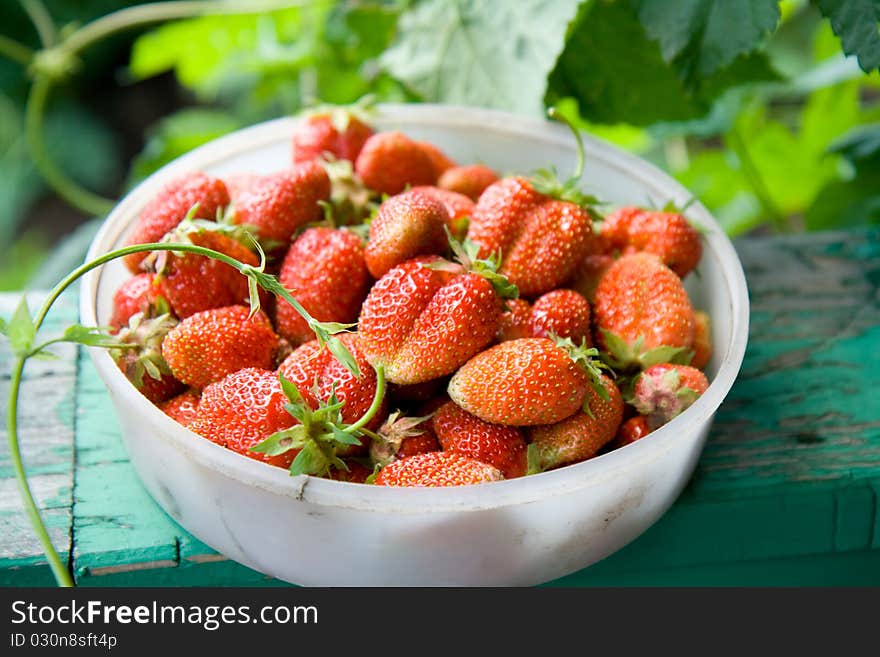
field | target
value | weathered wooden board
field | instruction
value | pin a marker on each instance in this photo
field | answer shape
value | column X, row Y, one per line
column 46, row 429
column 785, row 493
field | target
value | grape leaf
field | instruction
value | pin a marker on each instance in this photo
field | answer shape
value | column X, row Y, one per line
column 855, row 22
column 700, row 37
column 480, row 52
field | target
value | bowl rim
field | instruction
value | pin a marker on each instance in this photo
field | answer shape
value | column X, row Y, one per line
column 441, row 499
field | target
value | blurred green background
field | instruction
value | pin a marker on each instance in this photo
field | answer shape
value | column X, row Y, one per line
column 768, row 111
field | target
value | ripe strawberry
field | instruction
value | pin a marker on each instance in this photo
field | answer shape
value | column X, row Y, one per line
column 420, row 323
column 325, row 268
column 183, row 408
column 580, row 436
column 515, row 321
column 630, row 431
column 136, row 295
column 317, row 375
column 437, row 469
column 615, row 227
column 278, row 204
column 667, row 235
column 169, row 207
column 207, row 346
column 241, row 410
column 138, row 353
column 462, row 433
column 541, row 239
column 192, row 283
column 400, row 437
column 702, row 340
column 470, row 180
column 389, row 161
column 642, row 312
column 459, row 208
column 525, row 382
column 664, row 391
column 561, row 312
column 337, row 131
column 440, row 161
column 541, row 226
column 405, row 226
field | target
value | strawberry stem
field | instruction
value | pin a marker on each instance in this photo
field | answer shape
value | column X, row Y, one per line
column 556, row 115
column 26, row 350
column 374, row 407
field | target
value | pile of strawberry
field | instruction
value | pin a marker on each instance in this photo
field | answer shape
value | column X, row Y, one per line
column 493, row 327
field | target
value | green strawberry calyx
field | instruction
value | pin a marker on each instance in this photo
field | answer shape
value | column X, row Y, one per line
column 139, row 346
column 363, row 109
column 548, row 182
column 587, row 358
column 320, row 432
column 467, row 260
column 633, row 357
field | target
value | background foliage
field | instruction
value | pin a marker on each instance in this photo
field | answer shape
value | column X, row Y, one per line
column 768, row 111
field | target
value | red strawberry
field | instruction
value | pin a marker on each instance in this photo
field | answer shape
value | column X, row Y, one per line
column 389, row 161
column 561, row 312
column 702, row 340
column 440, row 160
column 460, row 432
column 337, row 132
column 277, row 205
column 136, row 295
column 325, row 268
column 316, row 373
column 459, row 208
column 525, row 382
column 667, row 235
column 615, row 228
column 207, row 346
column 183, row 408
column 642, row 312
column 541, row 226
column 400, row 437
column 405, row 226
column 515, row 321
column 169, row 207
column 420, row 323
column 471, row 180
column 437, row 469
column 192, row 283
column 580, row 436
column 541, row 240
column 664, row 391
column 241, row 410
column 139, row 356
column 632, row 430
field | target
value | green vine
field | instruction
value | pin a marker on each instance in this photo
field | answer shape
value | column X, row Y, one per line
column 22, row 330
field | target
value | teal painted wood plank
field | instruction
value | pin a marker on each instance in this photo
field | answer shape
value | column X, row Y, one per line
column 46, row 430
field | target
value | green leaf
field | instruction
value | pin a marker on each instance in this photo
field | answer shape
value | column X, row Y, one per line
column 480, row 52
column 20, row 329
column 855, row 22
column 90, row 336
column 700, row 37
column 343, row 437
column 310, row 460
column 859, row 144
column 281, row 442
column 343, row 355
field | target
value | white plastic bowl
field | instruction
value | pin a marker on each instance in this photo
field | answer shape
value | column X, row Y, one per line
column 524, row 531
